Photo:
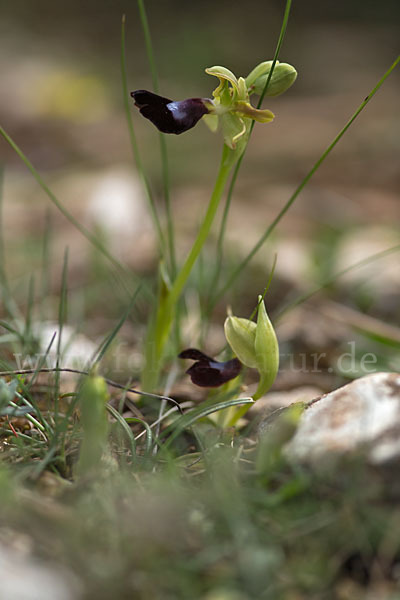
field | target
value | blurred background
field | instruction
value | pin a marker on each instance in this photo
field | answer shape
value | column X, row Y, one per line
column 61, row 101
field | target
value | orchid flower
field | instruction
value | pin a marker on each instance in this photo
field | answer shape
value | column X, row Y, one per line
column 208, row 372
column 255, row 345
column 229, row 107
column 232, row 110
column 169, row 116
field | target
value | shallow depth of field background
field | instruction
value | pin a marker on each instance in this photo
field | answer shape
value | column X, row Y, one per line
column 210, row 526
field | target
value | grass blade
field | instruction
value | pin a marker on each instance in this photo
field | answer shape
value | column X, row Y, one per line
column 191, row 417
column 124, row 426
column 109, row 339
column 147, row 429
column 62, row 313
column 6, row 295
column 221, row 235
column 302, row 185
column 85, row 232
column 45, row 267
column 28, row 334
column 162, row 140
column 329, row 281
column 134, row 144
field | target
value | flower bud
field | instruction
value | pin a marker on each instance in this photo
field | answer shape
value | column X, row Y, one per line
column 255, row 345
column 241, row 335
column 267, row 350
column 283, row 76
column 258, row 71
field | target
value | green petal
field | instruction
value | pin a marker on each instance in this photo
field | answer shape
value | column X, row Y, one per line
column 242, row 90
column 266, row 350
column 245, row 109
column 266, row 344
column 283, row 77
column 233, row 129
column 240, row 334
column 261, row 69
column 211, row 121
column 223, row 74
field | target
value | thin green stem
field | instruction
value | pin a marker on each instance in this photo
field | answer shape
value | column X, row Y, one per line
column 62, row 315
column 166, row 306
column 277, row 51
column 149, row 46
column 162, row 141
column 134, row 144
column 221, row 236
column 105, row 344
column 3, row 278
column 29, row 312
column 329, row 281
column 85, row 232
column 262, row 297
column 302, row 185
column 204, row 230
column 45, row 267
column 114, row 384
column 29, row 417
column 168, row 209
column 5, row 292
column 238, row 414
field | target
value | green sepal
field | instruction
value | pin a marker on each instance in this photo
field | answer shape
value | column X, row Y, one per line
column 266, row 344
column 258, row 71
column 223, row 75
column 241, row 334
column 255, row 345
column 283, row 77
column 245, row 109
column 232, row 110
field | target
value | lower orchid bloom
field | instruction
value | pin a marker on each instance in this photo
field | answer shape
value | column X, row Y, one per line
column 256, row 346
column 208, row 372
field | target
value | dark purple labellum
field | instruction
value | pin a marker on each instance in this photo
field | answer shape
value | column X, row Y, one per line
column 207, row 372
column 169, row 116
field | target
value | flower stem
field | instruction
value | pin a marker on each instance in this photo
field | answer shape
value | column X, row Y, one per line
column 204, row 230
column 163, row 144
column 302, row 185
column 167, row 305
column 134, row 145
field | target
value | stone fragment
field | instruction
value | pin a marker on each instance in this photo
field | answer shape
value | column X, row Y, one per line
column 24, row 577
column 363, row 416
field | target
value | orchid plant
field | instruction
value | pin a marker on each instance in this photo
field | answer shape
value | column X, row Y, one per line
column 255, row 345
column 230, row 111
column 229, row 108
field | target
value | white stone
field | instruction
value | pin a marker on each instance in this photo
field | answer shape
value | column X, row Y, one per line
column 25, row 578
column 274, row 400
column 117, row 206
column 364, row 414
column 76, row 350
